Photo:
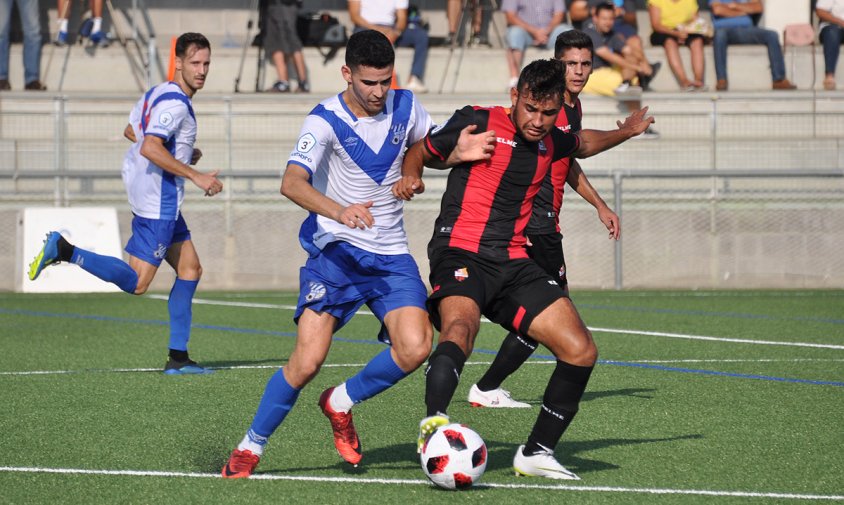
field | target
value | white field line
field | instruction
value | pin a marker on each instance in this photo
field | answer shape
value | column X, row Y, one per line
column 420, row 482
column 361, row 365
column 201, row 301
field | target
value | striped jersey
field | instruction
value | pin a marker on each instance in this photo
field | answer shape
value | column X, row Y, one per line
column 487, row 204
column 166, row 112
column 546, row 207
column 355, row 160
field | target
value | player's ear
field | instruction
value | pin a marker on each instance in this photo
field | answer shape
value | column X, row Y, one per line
column 347, row 73
column 514, row 96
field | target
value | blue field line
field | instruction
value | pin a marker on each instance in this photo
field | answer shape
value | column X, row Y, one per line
column 738, row 315
column 375, row 341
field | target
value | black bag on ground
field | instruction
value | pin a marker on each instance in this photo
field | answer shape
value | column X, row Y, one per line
column 323, row 31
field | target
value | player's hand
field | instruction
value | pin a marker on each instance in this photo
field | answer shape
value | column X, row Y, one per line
column 197, row 154
column 357, row 215
column 611, row 221
column 208, row 182
column 407, row 186
column 474, row 146
column 636, row 123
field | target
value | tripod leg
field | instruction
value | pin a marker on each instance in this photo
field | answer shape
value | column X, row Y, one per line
column 453, row 45
column 253, row 8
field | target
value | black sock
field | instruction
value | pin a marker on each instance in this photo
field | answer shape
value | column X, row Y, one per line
column 441, row 376
column 514, row 351
column 559, row 406
column 65, row 249
column 177, row 355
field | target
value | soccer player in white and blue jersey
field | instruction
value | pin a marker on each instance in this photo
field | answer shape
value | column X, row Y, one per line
column 342, row 170
column 162, row 128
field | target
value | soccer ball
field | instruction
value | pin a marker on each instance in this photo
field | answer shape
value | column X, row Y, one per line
column 454, row 457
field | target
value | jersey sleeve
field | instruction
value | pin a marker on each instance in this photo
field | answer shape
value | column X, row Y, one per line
column 166, row 118
column 315, row 139
column 422, row 123
column 565, row 144
column 443, row 138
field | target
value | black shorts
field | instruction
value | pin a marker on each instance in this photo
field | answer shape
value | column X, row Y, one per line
column 510, row 293
column 547, row 251
column 658, row 38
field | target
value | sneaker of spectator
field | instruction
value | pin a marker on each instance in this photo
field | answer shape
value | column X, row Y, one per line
column 35, row 85
column 416, row 85
column 280, row 87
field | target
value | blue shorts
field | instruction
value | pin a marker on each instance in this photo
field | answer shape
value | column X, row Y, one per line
column 343, row 277
column 151, row 238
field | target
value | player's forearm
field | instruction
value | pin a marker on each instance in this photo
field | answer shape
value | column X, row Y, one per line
column 578, row 181
column 593, row 142
column 161, row 157
column 299, row 190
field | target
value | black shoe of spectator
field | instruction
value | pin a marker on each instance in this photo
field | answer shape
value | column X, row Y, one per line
column 280, row 87
column 304, row 87
column 645, row 80
column 4, row 85
column 35, row 85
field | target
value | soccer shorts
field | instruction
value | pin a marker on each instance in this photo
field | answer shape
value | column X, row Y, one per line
column 510, row 293
column 152, row 238
column 343, row 277
column 547, row 251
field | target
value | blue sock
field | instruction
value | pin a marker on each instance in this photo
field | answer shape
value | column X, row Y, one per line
column 179, row 306
column 278, row 399
column 107, row 268
column 379, row 374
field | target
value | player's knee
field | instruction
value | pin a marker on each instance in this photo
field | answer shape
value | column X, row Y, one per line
column 142, row 287
column 191, row 273
column 303, row 373
column 459, row 330
column 582, row 352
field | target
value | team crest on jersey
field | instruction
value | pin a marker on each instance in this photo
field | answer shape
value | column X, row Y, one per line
column 160, row 252
column 461, row 274
column 398, row 134
column 305, row 143
column 316, row 291
column 165, row 119
column 542, row 147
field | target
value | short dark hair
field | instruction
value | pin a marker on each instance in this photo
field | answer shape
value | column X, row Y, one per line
column 188, row 39
column 369, row 48
column 543, row 80
column 572, row 39
column 604, row 6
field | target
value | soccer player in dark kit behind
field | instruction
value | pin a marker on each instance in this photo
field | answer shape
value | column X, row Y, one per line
column 478, row 260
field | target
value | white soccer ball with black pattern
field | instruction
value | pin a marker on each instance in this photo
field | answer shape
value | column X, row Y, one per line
column 454, row 457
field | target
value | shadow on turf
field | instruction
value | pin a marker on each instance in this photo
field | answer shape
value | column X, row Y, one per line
column 598, row 395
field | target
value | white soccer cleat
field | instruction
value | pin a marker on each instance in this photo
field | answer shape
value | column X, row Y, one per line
column 496, row 399
column 540, row 465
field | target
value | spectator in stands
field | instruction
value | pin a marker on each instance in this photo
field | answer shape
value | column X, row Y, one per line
column 531, row 23
column 734, row 25
column 282, row 42
column 390, row 17
column 831, row 14
column 31, row 44
column 627, row 27
column 475, row 11
column 617, row 62
column 579, row 12
column 672, row 22
column 94, row 32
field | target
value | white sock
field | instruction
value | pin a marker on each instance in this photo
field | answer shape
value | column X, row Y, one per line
column 253, row 442
column 63, row 25
column 339, row 400
column 98, row 25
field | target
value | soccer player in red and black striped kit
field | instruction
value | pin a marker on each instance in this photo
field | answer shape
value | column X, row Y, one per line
column 479, row 263
column 545, row 242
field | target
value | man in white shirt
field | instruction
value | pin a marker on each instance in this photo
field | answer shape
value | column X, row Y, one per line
column 162, row 128
column 831, row 14
column 342, row 170
column 392, row 18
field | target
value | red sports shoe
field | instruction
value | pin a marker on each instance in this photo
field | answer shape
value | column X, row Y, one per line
column 346, row 439
column 241, row 464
